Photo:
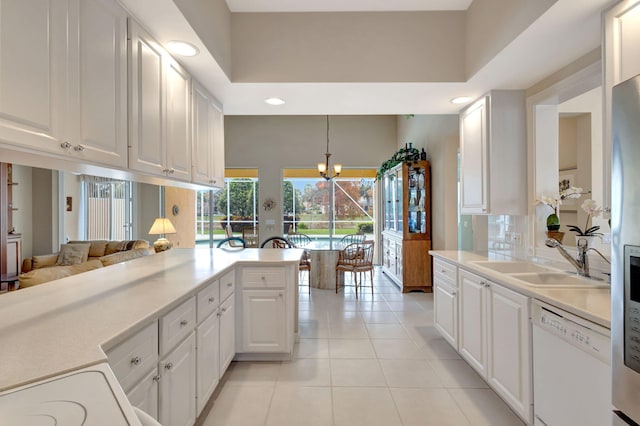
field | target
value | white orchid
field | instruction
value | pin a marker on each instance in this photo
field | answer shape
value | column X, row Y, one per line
column 549, row 201
column 592, row 209
column 572, row 192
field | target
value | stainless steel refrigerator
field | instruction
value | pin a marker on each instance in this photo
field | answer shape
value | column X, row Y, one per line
column 625, row 252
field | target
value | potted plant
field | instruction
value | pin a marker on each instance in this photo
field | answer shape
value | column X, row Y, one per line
column 588, row 233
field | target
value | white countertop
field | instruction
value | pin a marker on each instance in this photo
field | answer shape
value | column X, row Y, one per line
column 593, row 304
column 64, row 325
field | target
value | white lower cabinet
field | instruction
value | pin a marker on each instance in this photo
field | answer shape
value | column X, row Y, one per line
column 178, row 384
column 446, row 301
column 266, row 312
column 144, row 394
column 208, row 359
column 227, row 333
column 495, row 338
column 264, row 321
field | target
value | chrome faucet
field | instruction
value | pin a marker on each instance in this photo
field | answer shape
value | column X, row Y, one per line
column 581, row 262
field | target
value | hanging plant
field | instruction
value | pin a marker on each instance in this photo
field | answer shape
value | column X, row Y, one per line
column 403, row 155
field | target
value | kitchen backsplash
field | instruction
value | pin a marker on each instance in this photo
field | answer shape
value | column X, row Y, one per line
column 506, row 236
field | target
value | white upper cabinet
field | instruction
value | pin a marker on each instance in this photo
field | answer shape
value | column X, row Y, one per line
column 63, row 79
column 97, row 81
column 493, row 168
column 160, row 133
column 208, row 139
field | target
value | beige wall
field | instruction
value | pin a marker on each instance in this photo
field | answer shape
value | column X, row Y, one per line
column 272, row 143
column 44, row 211
column 211, row 19
column 374, row 47
column 73, row 218
column 492, row 24
column 439, row 135
column 184, row 221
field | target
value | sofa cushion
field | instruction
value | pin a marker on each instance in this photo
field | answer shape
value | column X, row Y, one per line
column 72, row 254
column 44, row 261
column 98, row 248
column 114, row 247
column 122, row 256
column 43, row 275
column 136, row 244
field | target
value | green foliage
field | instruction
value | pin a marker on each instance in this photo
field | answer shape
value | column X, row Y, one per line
column 365, row 228
column 302, row 225
column 402, row 155
column 289, row 196
column 240, row 198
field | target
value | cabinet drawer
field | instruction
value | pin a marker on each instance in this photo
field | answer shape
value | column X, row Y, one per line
column 135, row 357
column 445, row 272
column 263, row 277
column 208, row 300
column 227, row 285
column 177, row 324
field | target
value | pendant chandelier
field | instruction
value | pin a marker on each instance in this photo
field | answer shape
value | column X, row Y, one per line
column 324, row 168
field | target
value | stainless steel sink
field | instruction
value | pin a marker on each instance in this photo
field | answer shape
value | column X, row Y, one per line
column 511, row 267
column 558, row 279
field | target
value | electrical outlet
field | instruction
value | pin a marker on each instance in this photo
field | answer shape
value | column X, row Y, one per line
column 516, row 238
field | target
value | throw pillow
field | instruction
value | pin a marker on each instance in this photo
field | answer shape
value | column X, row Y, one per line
column 44, row 261
column 114, row 247
column 72, row 254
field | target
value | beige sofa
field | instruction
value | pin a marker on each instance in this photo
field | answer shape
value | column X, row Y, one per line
column 79, row 256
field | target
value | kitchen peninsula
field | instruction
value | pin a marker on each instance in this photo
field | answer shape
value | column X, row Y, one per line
column 78, row 322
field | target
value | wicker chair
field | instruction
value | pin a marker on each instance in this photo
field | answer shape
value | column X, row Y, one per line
column 299, row 240
column 351, row 239
column 232, row 243
column 276, row 242
column 356, row 258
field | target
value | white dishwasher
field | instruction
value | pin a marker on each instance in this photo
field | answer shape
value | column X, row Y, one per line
column 571, row 369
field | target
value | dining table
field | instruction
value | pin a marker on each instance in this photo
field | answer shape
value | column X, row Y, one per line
column 324, row 256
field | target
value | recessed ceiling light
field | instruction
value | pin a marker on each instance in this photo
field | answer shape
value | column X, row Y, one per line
column 274, row 101
column 460, row 100
column 182, row 48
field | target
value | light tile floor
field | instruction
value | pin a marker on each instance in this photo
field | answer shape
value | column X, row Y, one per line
column 374, row 361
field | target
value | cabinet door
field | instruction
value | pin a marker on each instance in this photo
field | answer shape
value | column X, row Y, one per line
column 264, row 321
column 509, row 369
column 32, row 81
column 446, row 312
column 217, row 153
column 208, row 359
column 146, row 75
column 227, row 334
column 144, row 394
column 178, row 121
column 178, row 385
column 202, row 135
column 97, row 118
column 473, row 328
column 473, row 166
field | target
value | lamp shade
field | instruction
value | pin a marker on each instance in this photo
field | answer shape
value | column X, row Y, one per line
column 162, row 225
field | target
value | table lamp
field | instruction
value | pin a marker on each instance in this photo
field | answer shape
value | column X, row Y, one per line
column 162, row 226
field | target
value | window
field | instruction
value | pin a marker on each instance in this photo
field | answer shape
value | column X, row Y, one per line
column 329, row 209
column 235, row 206
column 107, row 206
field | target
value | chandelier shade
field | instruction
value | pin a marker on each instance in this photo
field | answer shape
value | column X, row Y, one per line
column 324, row 168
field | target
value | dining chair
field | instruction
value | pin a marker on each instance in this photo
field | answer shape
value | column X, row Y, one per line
column 232, row 242
column 352, row 238
column 356, row 258
column 251, row 235
column 299, row 240
column 276, row 242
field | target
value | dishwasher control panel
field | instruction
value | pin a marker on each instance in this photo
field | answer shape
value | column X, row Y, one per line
column 588, row 336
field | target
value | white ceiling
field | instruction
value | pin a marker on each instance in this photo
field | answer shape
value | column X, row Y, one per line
column 568, row 30
column 344, row 5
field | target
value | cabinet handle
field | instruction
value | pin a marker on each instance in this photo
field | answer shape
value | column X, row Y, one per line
column 280, row 295
column 172, row 171
column 218, row 314
column 444, row 271
column 183, row 323
column 212, row 299
column 65, row 145
column 168, row 366
column 156, row 378
column 78, row 148
column 224, row 309
column 454, row 292
column 136, row 361
column 231, row 284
